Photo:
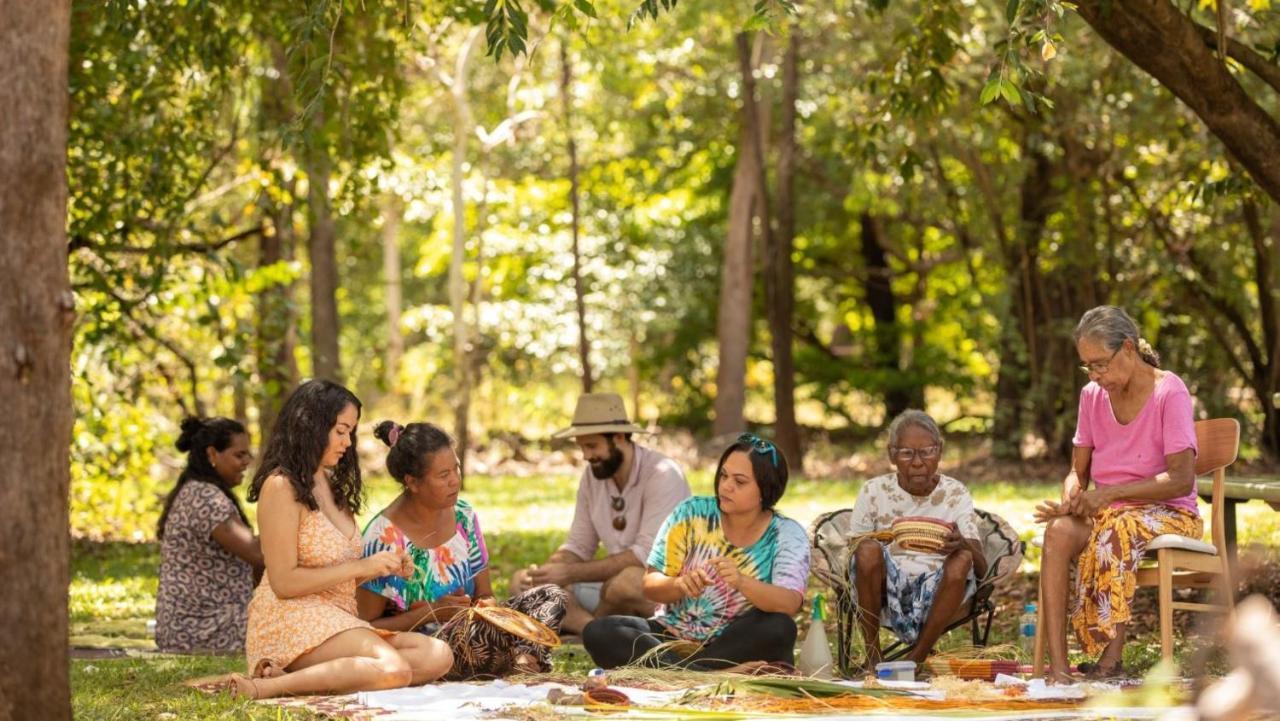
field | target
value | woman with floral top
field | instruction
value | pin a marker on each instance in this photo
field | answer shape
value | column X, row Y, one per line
column 923, row 591
column 728, row 572
column 440, row 534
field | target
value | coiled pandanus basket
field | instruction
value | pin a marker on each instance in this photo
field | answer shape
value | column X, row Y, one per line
column 921, row 533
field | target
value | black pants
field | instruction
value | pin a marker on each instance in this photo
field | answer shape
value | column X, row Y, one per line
column 756, row 635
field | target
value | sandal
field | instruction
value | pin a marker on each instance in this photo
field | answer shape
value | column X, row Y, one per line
column 1096, row 672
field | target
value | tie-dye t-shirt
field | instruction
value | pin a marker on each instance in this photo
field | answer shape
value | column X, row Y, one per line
column 692, row 536
column 440, row 571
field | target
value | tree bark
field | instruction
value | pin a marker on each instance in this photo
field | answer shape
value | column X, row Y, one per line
column 733, row 323
column 36, row 314
column 276, row 321
column 463, row 126
column 1164, row 42
column 324, row 265
column 566, row 88
column 391, row 210
column 898, row 393
column 780, row 275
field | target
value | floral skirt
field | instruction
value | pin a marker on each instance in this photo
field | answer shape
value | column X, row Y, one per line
column 481, row 650
column 908, row 597
column 1107, row 572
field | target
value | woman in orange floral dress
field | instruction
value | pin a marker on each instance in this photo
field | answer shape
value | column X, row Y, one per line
column 303, row 634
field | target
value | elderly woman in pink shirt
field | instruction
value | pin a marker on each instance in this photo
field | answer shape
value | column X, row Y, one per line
column 1132, row 478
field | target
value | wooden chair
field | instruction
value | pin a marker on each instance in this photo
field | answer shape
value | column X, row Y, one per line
column 1181, row 562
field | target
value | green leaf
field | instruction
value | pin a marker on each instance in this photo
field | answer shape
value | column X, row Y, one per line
column 586, row 8
column 1011, row 11
column 1010, row 93
column 990, row 91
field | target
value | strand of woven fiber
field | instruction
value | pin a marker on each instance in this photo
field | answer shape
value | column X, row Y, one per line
column 765, row 704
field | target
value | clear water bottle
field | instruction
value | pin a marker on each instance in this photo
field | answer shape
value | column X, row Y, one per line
column 1027, row 632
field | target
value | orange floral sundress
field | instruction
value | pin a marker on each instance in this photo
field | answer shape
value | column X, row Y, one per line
column 282, row 629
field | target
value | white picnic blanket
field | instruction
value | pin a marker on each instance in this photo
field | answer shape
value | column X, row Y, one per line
column 465, row 701
column 460, row 701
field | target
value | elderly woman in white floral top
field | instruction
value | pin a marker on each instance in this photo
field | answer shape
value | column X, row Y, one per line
column 919, row 593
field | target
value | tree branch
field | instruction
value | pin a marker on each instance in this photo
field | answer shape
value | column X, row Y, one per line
column 1266, row 71
column 1157, row 37
column 79, row 241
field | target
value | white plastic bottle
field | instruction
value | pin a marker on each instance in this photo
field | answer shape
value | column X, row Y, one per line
column 815, row 653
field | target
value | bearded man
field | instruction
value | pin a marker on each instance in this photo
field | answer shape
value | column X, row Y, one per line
column 625, row 494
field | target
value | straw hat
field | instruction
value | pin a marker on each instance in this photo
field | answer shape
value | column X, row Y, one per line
column 599, row 413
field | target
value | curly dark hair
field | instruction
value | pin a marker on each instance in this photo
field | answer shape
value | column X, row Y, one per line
column 197, row 435
column 767, row 463
column 413, row 449
column 298, row 442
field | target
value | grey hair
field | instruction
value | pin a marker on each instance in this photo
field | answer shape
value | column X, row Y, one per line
column 1111, row 326
column 917, row 418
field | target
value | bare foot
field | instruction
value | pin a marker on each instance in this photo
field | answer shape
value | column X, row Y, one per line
column 267, row 669
column 1060, row 678
column 241, row 686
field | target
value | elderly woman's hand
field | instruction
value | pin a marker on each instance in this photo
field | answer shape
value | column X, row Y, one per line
column 1088, row 503
column 953, row 542
column 1048, row 510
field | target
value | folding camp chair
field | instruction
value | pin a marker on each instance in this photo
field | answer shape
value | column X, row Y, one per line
column 829, row 539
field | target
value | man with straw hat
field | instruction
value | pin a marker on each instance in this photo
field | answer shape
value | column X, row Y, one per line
column 625, row 494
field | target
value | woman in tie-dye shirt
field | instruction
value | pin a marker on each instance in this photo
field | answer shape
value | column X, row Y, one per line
column 728, row 572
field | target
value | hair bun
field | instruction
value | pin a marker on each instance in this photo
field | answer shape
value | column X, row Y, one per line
column 384, row 432
column 1148, row 354
column 190, row 427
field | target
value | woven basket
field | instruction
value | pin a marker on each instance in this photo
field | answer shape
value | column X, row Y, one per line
column 921, row 533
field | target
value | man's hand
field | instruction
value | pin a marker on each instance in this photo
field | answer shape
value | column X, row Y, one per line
column 559, row 574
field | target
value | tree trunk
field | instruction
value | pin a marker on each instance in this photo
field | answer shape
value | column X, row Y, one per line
column 324, row 266
column 566, row 89
column 276, row 322
column 277, row 368
column 462, row 129
column 1178, row 52
column 36, row 314
column 897, row 393
column 733, row 323
column 391, row 210
column 780, row 276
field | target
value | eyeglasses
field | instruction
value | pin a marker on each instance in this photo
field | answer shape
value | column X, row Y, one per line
column 1100, row 367
column 619, row 505
column 761, row 446
column 908, row 455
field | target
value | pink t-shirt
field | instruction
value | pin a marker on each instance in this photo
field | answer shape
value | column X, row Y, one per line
column 1136, row 451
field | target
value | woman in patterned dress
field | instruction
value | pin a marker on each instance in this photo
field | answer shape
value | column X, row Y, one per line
column 304, row 635
column 728, row 571
column 441, row 535
column 1132, row 478
column 918, row 593
column 208, row 553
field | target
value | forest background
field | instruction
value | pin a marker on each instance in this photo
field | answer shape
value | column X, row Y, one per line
column 801, row 218
column 795, row 217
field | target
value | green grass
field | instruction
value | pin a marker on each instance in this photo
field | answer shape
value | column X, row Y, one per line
column 114, row 584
